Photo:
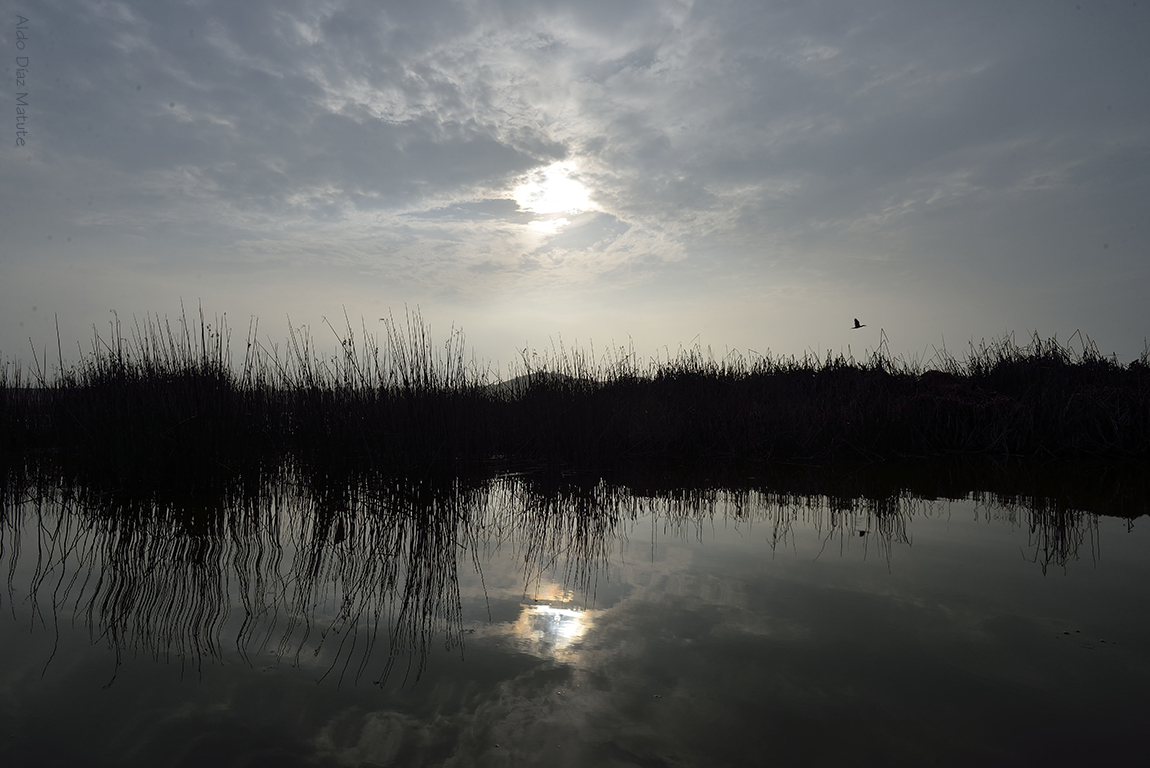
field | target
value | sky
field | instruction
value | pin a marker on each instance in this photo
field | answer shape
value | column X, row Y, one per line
column 746, row 175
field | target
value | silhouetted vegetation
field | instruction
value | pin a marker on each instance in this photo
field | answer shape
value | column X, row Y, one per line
column 167, row 406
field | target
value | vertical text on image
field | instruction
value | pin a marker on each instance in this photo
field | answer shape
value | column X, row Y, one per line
column 22, row 65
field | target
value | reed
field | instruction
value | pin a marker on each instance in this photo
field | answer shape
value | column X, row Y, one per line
column 162, row 405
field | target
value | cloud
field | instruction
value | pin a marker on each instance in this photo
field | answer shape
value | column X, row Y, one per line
column 857, row 145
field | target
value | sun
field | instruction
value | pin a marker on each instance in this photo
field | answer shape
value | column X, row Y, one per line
column 553, row 190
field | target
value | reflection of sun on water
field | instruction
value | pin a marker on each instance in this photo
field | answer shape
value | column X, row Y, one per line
column 550, row 192
column 549, row 629
column 554, row 628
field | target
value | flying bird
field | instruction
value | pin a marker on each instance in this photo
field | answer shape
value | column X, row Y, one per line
column 858, row 324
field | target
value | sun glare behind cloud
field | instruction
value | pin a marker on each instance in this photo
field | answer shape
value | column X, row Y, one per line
column 553, row 190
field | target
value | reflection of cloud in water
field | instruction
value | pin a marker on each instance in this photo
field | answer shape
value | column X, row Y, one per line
column 726, row 631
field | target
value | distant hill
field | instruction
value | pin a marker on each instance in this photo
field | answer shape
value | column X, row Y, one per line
column 514, row 389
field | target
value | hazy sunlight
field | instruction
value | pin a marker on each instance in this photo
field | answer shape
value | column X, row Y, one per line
column 553, row 191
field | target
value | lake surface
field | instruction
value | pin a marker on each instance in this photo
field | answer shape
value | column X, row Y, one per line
column 505, row 625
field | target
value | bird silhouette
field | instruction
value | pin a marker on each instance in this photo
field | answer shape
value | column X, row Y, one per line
column 858, row 324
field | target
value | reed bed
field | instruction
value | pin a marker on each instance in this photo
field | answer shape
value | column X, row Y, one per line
column 167, row 405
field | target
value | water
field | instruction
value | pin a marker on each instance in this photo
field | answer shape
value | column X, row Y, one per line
column 503, row 625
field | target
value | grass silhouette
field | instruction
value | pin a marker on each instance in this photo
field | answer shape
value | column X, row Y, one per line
column 163, row 405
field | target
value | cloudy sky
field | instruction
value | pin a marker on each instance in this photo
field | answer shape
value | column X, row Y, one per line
column 749, row 175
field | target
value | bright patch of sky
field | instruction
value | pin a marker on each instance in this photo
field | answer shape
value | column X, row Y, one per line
column 555, row 189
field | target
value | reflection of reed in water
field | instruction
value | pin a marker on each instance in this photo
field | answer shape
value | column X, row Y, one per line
column 1056, row 532
column 282, row 571
column 337, row 574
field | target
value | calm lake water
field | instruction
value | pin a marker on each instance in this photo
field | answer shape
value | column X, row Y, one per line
column 508, row 626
